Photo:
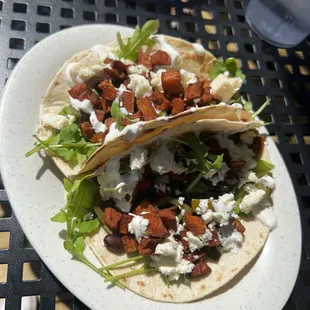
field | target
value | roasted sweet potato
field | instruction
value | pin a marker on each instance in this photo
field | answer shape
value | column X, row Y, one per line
column 168, row 218
column 184, row 242
column 156, row 227
column 109, row 93
column 87, row 129
column 195, row 224
column 193, row 91
column 136, row 115
column 145, row 206
column 145, row 60
column 160, row 58
column 177, row 106
column 215, row 241
column 201, row 268
column 238, row 226
column 171, row 82
column 98, row 137
column 147, row 245
column 77, row 90
column 106, row 105
column 112, row 218
column 130, row 244
column 206, row 97
column 109, row 121
column 105, row 84
column 128, row 99
column 100, row 115
column 146, row 108
column 157, row 97
column 125, row 220
column 111, row 74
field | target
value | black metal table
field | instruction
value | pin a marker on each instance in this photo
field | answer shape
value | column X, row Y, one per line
column 281, row 74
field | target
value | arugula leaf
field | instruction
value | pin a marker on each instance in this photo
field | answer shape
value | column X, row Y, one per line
column 186, row 280
column 263, row 166
column 248, row 105
column 166, row 280
column 140, row 37
column 229, row 65
column 69, row 110
column 239, row 194
column 118, row 115
column 70, row 134
column 260, row 110
column 60, row 217
column 80, row 199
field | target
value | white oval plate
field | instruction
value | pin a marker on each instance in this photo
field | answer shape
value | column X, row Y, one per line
column 36, row 193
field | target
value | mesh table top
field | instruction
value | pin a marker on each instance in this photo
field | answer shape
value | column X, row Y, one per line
column 219, row 25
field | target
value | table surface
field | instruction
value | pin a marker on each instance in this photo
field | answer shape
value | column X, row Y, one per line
column 280, row 74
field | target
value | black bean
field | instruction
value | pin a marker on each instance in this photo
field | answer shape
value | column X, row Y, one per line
column 230, row 179
column 114, row 243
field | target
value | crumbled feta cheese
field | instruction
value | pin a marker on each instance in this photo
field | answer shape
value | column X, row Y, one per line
column 187, row 78
column 110, row 180
column 224, row 203
column 221, row 217
column 138, row 69
column 138, row 158
column 162, row 161
column 96, row 124
column 248, row 136
column 180, row 227
column 138, row 227
column 207, row 217
column 237, row 152
column 225, row 87
column 203, row 206
column 140, row 85
column 247, row 177
column 252, row 199
column 181, row 200
column 55, row 121
column 220, row 175
column 156, row 79
column 267, row 181
column 199, row 241
column 168, row 259
column 231, row 240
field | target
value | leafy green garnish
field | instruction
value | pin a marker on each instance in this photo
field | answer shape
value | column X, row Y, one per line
column 80, row 199
column 125, row 261
column 229, row 65
column 166, row 280
column 239, row 194
column 263, row 166
column 260, row 110
column 118, row 115
column 67, row 144
column 140, row 37
column 186, row 280
column 69, row 110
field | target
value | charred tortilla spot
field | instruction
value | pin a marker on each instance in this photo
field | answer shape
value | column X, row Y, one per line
column 203, row 287
column 261, row 235
column 140, row 283
column 219, row 278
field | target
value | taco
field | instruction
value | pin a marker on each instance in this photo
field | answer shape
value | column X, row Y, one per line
column 178, row 216
column 103, row 100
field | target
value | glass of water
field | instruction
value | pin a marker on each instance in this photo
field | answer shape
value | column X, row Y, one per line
column 283, row 23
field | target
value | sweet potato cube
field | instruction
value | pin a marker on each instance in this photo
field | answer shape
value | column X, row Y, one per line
column 98, row 137
column 215, row 241
column 87, row 129
column 145, row 206
column 238, row 226
column 168, row 218
column 160, row 58
column 201, row 268
column 156, row 227
column 125, row 220
column 105, row 84
column 112, row 218
column 206, row 97
column 145, row 60
column 109, row 93
column 130, row 244
column 128, row 99
column 146, row 108
column 147, row 246
column 171, row 82
column 193, row 91
column 195, row 224
column 77, row 90
column 177, row 106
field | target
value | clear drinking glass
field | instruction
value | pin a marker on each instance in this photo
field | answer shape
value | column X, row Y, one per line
column 283, row 23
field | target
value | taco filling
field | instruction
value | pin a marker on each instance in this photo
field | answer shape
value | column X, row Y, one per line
column 181, row 201
column 115, row 90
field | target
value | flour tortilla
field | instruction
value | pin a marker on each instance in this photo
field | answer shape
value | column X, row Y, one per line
column 152, row 285
column 89, row 64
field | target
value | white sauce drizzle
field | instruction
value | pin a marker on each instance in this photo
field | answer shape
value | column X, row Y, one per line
column 199, row 49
